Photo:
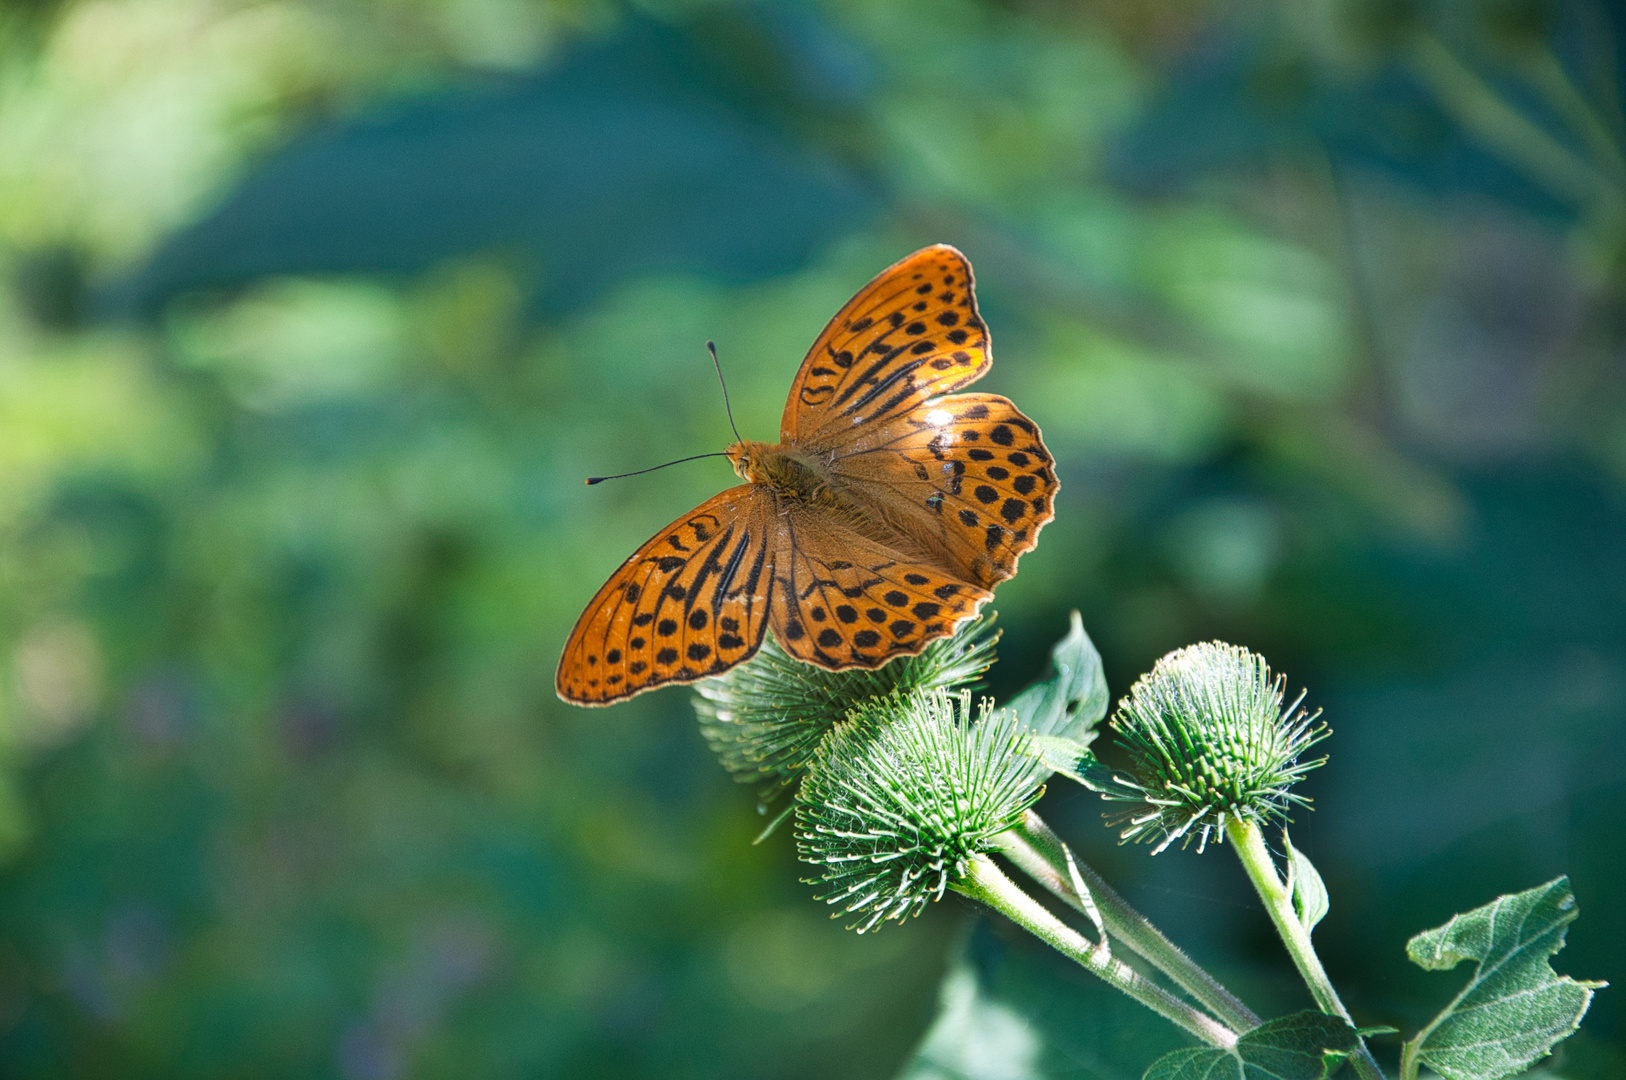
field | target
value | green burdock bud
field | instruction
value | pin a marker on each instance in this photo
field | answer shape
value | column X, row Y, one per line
column 1208, row 740
column 765, row 718
column 899, row 799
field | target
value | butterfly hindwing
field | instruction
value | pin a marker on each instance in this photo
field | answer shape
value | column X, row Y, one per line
column 841, row 600
column 690, row 603
column 967, row 475
column 910, row 334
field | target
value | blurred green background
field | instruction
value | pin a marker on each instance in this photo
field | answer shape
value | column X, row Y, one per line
column 315, row 313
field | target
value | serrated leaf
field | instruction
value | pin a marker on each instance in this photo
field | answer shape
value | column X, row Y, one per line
column 1072, row 697
column 1516, row 1006
column 1310, row 898
column 1303, row 1046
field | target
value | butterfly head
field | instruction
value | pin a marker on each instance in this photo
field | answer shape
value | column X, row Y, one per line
column 751, row 460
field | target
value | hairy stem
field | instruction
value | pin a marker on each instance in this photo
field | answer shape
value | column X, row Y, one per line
column 1042, row 855
column 1409, row 1059
column 984, row 881
column 1278, row 898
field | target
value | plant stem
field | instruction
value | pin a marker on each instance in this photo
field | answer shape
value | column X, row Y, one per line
column 1256, row 860
column 1041, row 854
column 1409, row 1059
column 984, row 881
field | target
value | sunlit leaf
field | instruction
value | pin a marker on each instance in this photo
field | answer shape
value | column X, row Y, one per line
column 1515, row 1007
column 1062, row 708
column 1309, row 891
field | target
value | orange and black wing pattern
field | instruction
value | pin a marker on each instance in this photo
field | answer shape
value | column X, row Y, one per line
column 967, row 476
column 842, row 600
column 690, row 603
column 911, row 334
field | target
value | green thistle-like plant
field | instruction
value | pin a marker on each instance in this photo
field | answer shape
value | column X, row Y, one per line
column 765, row 718
column 900, row 798
column 1209, row 741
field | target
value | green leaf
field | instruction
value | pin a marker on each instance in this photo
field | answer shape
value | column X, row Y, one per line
column 1082, row 766
column 1064, row 755
column 1060, row 711
column 1516, row 1006
column 1072, row 697
column 1303, row 1046
column 1309, row 891
column 975, row 1038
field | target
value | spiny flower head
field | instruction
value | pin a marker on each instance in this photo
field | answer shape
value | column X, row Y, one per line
column 1208, row 741
column 765, row 717
column 900, row 797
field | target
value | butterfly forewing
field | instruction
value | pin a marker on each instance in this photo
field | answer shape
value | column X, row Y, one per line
column 842, row 600
column 966, row 475
column 909, row 335
column 690, row 603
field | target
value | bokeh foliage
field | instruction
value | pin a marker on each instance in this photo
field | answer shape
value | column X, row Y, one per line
column 316, row 313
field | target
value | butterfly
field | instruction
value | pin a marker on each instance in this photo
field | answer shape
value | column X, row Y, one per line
column 881, row 520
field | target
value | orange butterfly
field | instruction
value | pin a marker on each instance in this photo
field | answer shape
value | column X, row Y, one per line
column 880, row 521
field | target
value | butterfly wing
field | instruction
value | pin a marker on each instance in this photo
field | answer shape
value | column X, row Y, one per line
column 966, row 477
column 911, row 334
column 938, row 497
column 690, row 603
column 843, row 600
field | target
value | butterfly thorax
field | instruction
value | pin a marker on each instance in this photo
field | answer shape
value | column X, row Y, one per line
column 786, row 472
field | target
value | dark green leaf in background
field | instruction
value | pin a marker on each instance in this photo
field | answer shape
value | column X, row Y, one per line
column 1303, row 1046
column 1007, row 1010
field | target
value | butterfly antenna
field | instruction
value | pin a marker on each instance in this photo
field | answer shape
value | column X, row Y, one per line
column 652, row 468
column 711, row 346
